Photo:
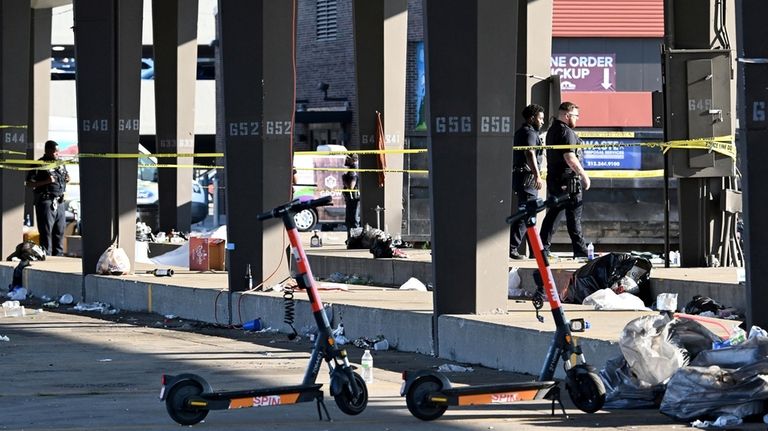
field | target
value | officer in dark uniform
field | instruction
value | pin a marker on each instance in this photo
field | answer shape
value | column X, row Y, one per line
column 351, row 195
column 526, row 178
column 49, row 186
column 565, row 175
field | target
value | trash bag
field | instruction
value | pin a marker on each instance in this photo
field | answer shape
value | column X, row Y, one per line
column 618, row 271
column 27, row 250
column 700, row 304
column 737, row 356
column 376, row 240
column 114, row 261
column 709, row 392
column 18, row 273
column 623, row 390
column 646, row 345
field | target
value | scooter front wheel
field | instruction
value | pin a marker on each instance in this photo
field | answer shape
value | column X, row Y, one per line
column 585, row 388
column 350, row 404
column 416, row 398
column 176, row 403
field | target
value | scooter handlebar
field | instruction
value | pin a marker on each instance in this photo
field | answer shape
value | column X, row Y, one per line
column 531, row 208
column 295, row 206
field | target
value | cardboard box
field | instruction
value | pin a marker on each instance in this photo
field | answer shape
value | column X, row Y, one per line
column 206, row 254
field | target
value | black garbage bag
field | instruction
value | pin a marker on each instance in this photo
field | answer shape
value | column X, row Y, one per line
column 623, row 390
column 27, row 250
column 610, row 271
column 376, row 240
column 700, row 304
column 18, row 272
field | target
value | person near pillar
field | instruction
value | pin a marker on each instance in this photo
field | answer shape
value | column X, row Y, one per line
column 351, row 194
column 49, row 186
column 565, row 174
column 526, row 177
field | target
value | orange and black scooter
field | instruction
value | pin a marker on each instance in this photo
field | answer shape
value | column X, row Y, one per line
column 428, row 394
column 188, row 397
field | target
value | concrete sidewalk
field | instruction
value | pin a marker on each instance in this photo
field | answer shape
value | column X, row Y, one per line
column 513, row 340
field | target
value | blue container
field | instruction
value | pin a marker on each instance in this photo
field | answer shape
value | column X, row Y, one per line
column 252, row 325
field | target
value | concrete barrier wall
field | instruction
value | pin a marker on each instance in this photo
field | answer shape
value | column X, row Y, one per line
column 513, row 349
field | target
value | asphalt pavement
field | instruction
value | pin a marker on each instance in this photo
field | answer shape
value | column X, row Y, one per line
column 67, row 371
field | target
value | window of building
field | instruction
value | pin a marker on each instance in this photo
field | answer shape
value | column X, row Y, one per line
column 326, row 20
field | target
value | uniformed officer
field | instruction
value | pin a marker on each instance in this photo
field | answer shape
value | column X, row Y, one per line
column 565, row 174
column 49, row 186
column 526, row 177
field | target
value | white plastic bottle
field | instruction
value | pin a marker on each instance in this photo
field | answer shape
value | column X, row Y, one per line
column 590, row 251
column 367, row 364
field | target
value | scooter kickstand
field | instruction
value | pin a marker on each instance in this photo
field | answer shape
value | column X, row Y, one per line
column 320, row 403
column 554, row 395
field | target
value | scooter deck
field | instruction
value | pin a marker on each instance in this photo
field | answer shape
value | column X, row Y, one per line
column 492, row 394
column 257, row 397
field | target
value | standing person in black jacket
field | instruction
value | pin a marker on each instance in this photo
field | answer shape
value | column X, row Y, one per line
column 526, row 177
column 49, row 186
column 565, row 174
column 351, row 195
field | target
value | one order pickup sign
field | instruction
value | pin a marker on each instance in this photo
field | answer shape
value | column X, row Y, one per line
column 585, row 72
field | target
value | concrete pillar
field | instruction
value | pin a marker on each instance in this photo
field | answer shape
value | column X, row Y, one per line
column 175, row 55
column 381, row 33
column 258, row 109
column 534, row 50
column 40, row 92
column 15, row 18
column 108, row 56
column 471, row 48
column 753, row 115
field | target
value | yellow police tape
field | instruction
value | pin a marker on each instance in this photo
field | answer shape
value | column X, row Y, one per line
column 360, row 152
column 11, row 126
column 720, row 144
column 406, row 171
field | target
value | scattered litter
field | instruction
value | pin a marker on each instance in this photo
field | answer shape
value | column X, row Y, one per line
column 45, row 298
column 705, row 306
column 96, row 306
column 414, row 283
column 513, row 285
column 338, row 335
column 607, row 299
column 170, row 316
column 51, row 304
column 666, row 302
column 105, row 360
column 66, row 299
column 338, row 277
column 13, row 309
column 757, row 331
column 4, row 338
column 18, row 294
column 381, row 345
column 368, row 343
column 451, row 368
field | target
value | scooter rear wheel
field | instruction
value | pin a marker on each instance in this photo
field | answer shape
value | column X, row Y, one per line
column 176, row 403
column 350, row 404
column 416, row 398
column 586, row 389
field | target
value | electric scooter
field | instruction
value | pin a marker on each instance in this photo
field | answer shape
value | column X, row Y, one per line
column 428, row 394
column 188, row 397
